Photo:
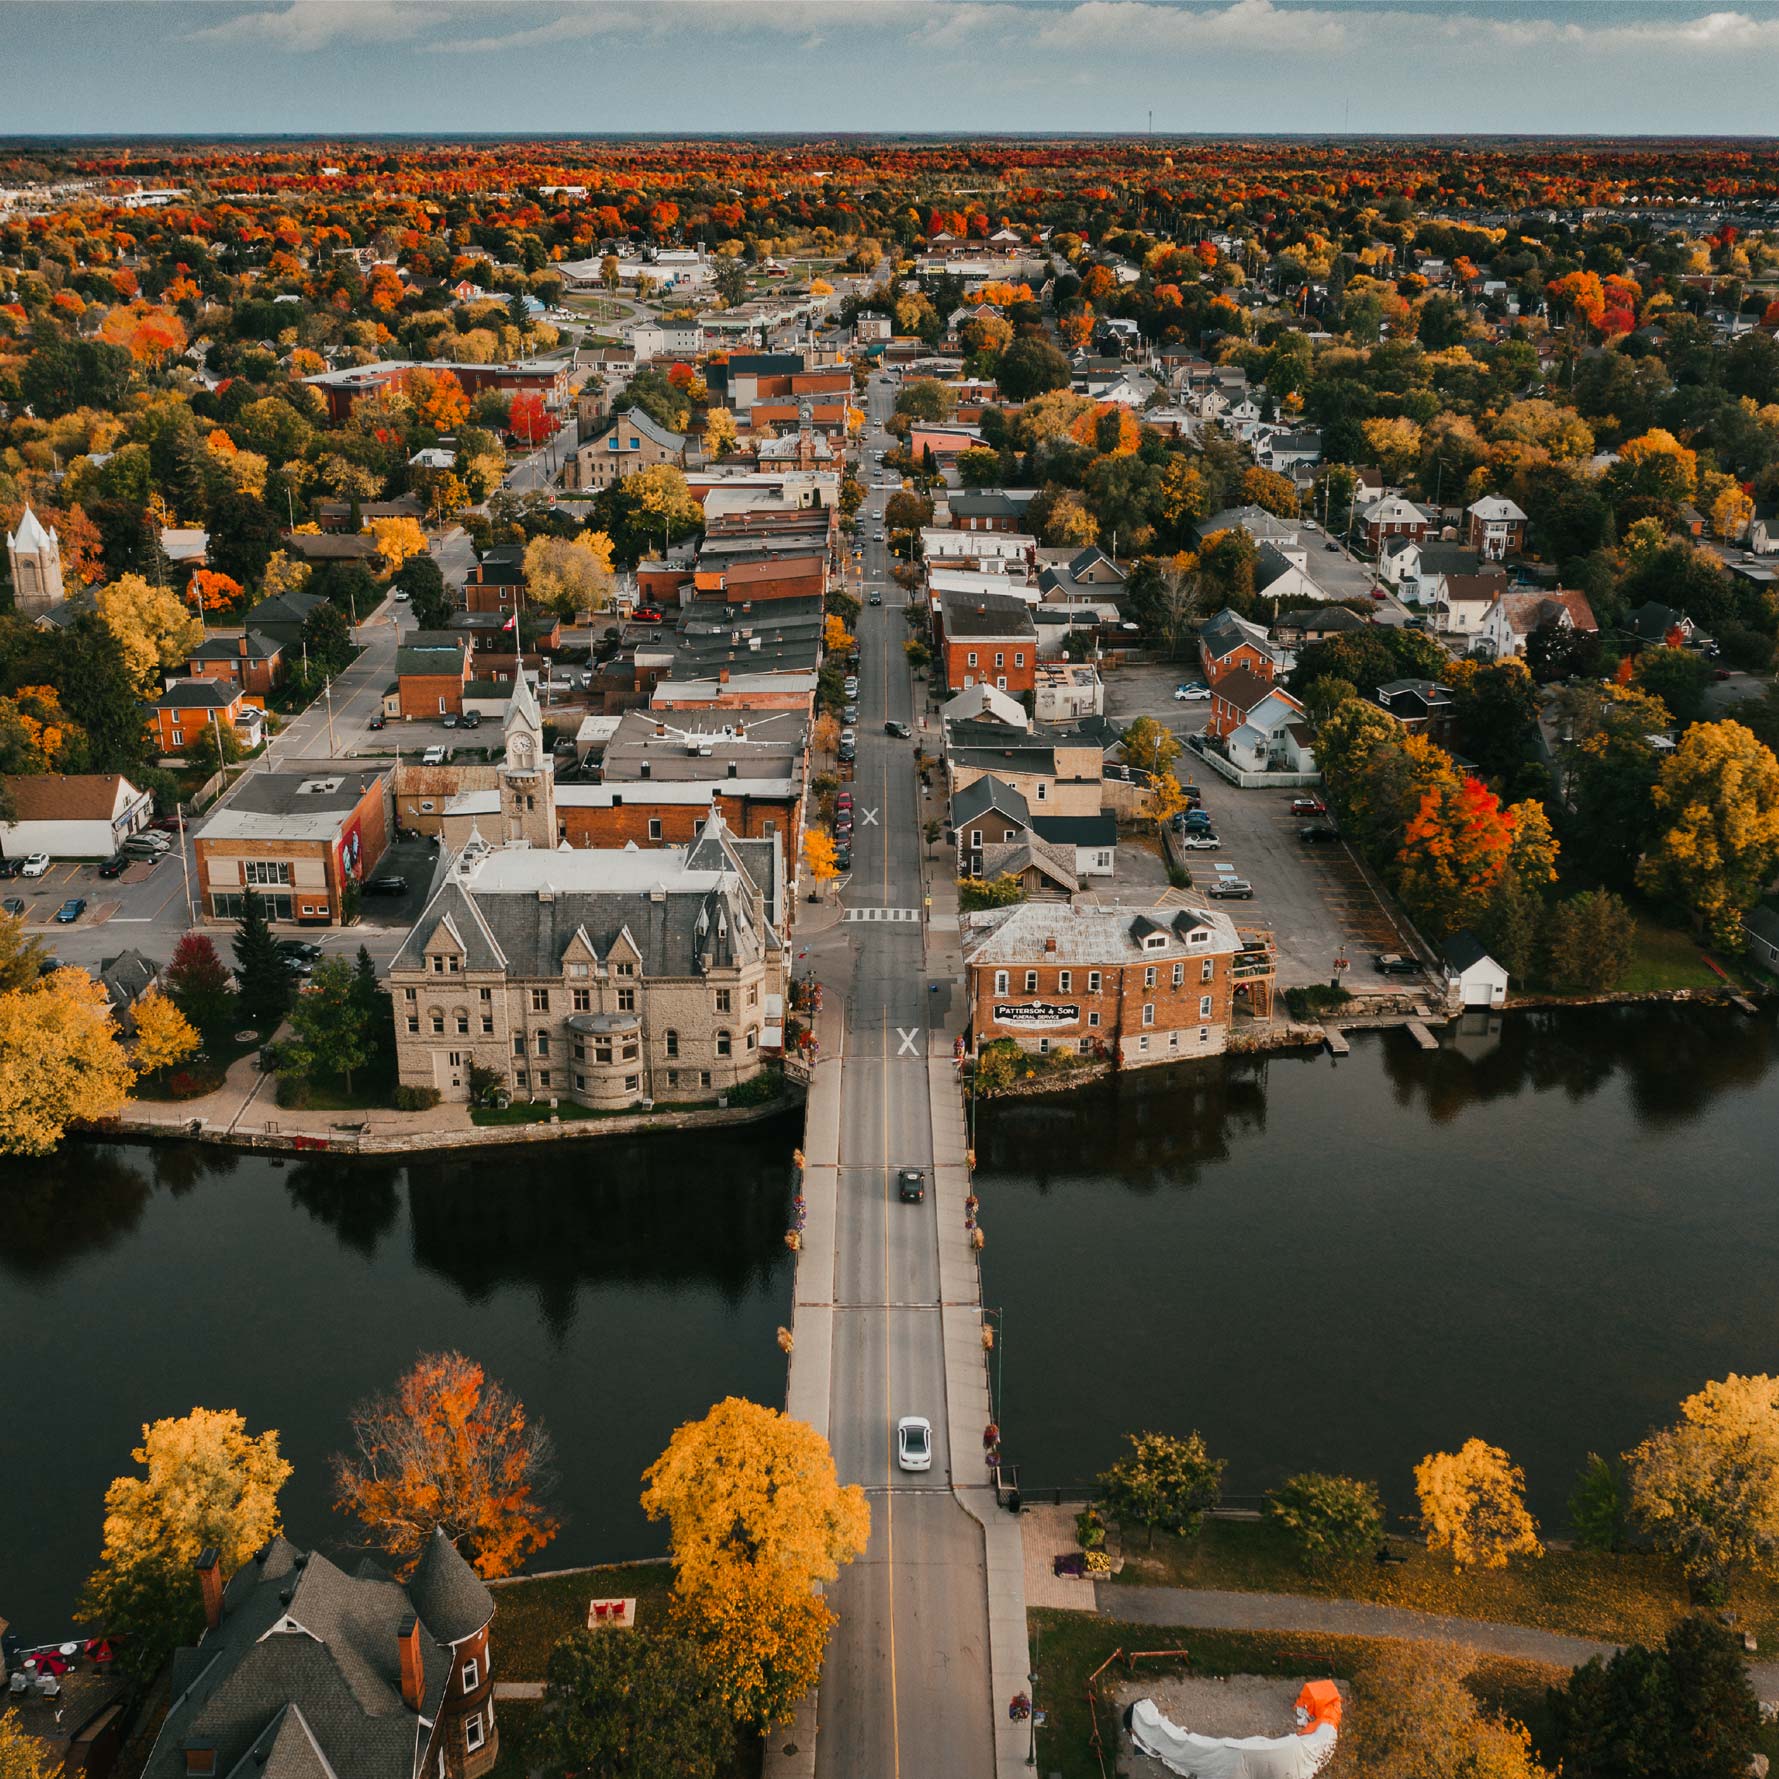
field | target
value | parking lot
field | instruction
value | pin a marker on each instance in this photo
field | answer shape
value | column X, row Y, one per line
column 1146, row 689
column 1314, row 898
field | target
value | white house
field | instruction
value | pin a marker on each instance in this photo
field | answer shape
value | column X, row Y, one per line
column 1512, row 617
column 1273, row 737
column 1472, row 977
column 1763, row 529
column 86, row 815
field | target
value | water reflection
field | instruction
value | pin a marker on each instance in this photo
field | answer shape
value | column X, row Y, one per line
column 627, row 1211
column 52, row 1213
column 357, row 1200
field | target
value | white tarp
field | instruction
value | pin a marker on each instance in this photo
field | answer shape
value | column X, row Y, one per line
column 1229, row 1757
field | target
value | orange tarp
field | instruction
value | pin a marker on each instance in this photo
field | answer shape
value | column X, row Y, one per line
column 1321, row 1699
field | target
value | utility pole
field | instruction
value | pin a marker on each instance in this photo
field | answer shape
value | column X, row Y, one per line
column 327, row 693
column 191, row 912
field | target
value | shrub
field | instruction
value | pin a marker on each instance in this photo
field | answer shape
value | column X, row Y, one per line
column 1328, row 1517
column 1315, row 1000
column 294, row 1093
column 761, row 1090
column 414, row 1099
column 194, row 1081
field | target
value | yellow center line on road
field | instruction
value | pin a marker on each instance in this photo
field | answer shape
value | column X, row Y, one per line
column 889, row 1510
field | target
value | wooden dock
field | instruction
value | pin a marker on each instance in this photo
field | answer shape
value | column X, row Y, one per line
column 1422, row 1036
column 1337, row 1042
column 1743, row 1002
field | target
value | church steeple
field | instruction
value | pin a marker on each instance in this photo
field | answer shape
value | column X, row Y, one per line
column 36, row 559
column 528, row 774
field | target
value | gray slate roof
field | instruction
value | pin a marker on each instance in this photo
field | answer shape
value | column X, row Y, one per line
column 983, row 794
column 305, row 1667
column 451, row 1598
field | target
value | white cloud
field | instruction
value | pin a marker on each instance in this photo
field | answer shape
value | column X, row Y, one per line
column 315, row 24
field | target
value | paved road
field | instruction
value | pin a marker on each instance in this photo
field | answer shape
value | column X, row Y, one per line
column 905, row 1688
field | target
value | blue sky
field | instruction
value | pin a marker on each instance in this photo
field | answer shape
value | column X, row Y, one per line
column 712, row 66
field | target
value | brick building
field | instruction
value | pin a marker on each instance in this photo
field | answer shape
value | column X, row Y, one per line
column 1392, row 517
column 988, row 639
column 297, row 840
column 1230, row 644
column 254, row 660
column 609, row 976
column 497, row 582
column 178, row 716
column 1138, row 985
column 1495, row 528
column 430, row 676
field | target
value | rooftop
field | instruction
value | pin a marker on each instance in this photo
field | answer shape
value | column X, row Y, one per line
column 289, row 805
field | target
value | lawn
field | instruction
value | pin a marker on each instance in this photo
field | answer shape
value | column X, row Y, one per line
column 1069, row 1646
column 1667, row 958
column 533, row 1613
column 1587, row 1594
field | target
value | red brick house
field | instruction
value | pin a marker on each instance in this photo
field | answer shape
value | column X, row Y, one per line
column 1138, row 985
column 988, row 639
column 430, row 677
column 1233, row 695
column 1495, row 527
column 1229, row 644
column 1392, row 517
column 254, row 660
column 178, row 716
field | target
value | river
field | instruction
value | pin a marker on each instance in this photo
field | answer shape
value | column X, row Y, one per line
column 618, row 1288
column 1545, row 1233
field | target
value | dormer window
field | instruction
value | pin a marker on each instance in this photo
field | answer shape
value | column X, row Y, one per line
column 1155, row 942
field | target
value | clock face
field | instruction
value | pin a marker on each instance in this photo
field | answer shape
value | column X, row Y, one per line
column 522, row 750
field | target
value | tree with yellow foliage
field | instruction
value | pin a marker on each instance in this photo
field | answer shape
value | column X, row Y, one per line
column 60, row 1060
column 1719, row 794
column 1473, row 1505
column 284, row 574
column 1395, row 444
column 208, row 1484
column 397, row 540
column 1656, row 466
column 1707, row 1489
column 836, row 638
column 1417, row 1718
column 153, row 627
column 756, row 1517
column 164, row 1036
column 820, row 855
column 569, row 575
column 1166, row 799
column 20, row 1754
column 720, row 435
column 1731, row 513
column 22, row 956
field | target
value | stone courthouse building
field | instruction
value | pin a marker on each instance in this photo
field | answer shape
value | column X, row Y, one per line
column 605, row 976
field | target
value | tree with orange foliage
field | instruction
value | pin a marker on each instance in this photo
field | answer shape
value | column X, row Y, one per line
column 438, row 398
column 448, row 1449
column 148, row 334
column 1109, row 428
column 1454, row 849
column 210, row 591
column 528, row 420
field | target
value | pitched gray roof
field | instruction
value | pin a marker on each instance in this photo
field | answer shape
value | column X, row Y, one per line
column 299, row 1632
column 451, row 1598
column 983, row 794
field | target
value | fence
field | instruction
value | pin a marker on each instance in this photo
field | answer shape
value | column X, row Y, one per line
column 1252, row 781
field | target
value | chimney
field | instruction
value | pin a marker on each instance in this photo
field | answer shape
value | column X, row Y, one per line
column 407, row 1636
column 241, row 645
column 210, row 1582
column 1050, row 944
column 200, row 1759
column 722, row 676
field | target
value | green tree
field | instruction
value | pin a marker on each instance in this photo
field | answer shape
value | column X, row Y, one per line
column 1329, row 1518
column 1495, row 707
column 330, row 1025
column 1682, row 1711
column 1163, row 1481
column 1029, row 367
column 1597, row 1505
column 260, row 969
column 1611, row 770
column 431, row 602
column 632, row 1706
column 1150, row 746
column 1678, row 677
column 327, row 639
column 1588, row 942
column 1323, row 697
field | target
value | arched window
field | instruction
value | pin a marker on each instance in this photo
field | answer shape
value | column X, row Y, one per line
column 723, row 1043
column 753, row 1038
column 672, row 1042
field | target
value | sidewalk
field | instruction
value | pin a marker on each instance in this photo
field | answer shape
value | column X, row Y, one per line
column 1212, row 1609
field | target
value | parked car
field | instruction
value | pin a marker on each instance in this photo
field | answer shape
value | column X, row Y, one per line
column 1232, row 889
column 1317, row 834
column 165, row 824
column 1196, row 818
column 11, row 867
column 1392, row 963
column 849, row 713
column 142, row 846
column 914, row 1443
column 900, row 730
column 911, row 1185
column 1192, row 692
column 472, row 719
column 1200, row 840
column 843, row 798
column 379, row 721
column 35, row 864
column 434, row 756
column 843, row 857
column 401, row 597
column 449, row 720
column 1331, row 545
column 1308, row 806
column 849, row 738
column 851, row 687
column 848, row 753
column 1378, row 593
column 15, row 905
column 116, row 865
column 71, row 910
column 386, row 886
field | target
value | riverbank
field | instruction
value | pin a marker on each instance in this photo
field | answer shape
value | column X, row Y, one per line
column 243, row 1114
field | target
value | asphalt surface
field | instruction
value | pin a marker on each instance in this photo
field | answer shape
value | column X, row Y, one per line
column 905, row 1687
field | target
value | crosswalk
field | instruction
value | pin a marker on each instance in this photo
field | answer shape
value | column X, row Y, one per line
column 883, row 914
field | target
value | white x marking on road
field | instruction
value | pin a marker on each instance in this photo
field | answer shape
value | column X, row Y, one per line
column 907, row 1041
column 868, row 818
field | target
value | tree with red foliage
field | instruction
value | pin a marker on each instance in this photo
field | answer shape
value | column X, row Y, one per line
column 210, row 591
column 1454, row 850
column 528, row 420
column 197, row 982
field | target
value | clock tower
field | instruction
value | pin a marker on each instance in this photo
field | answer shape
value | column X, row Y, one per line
column 527, row 775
